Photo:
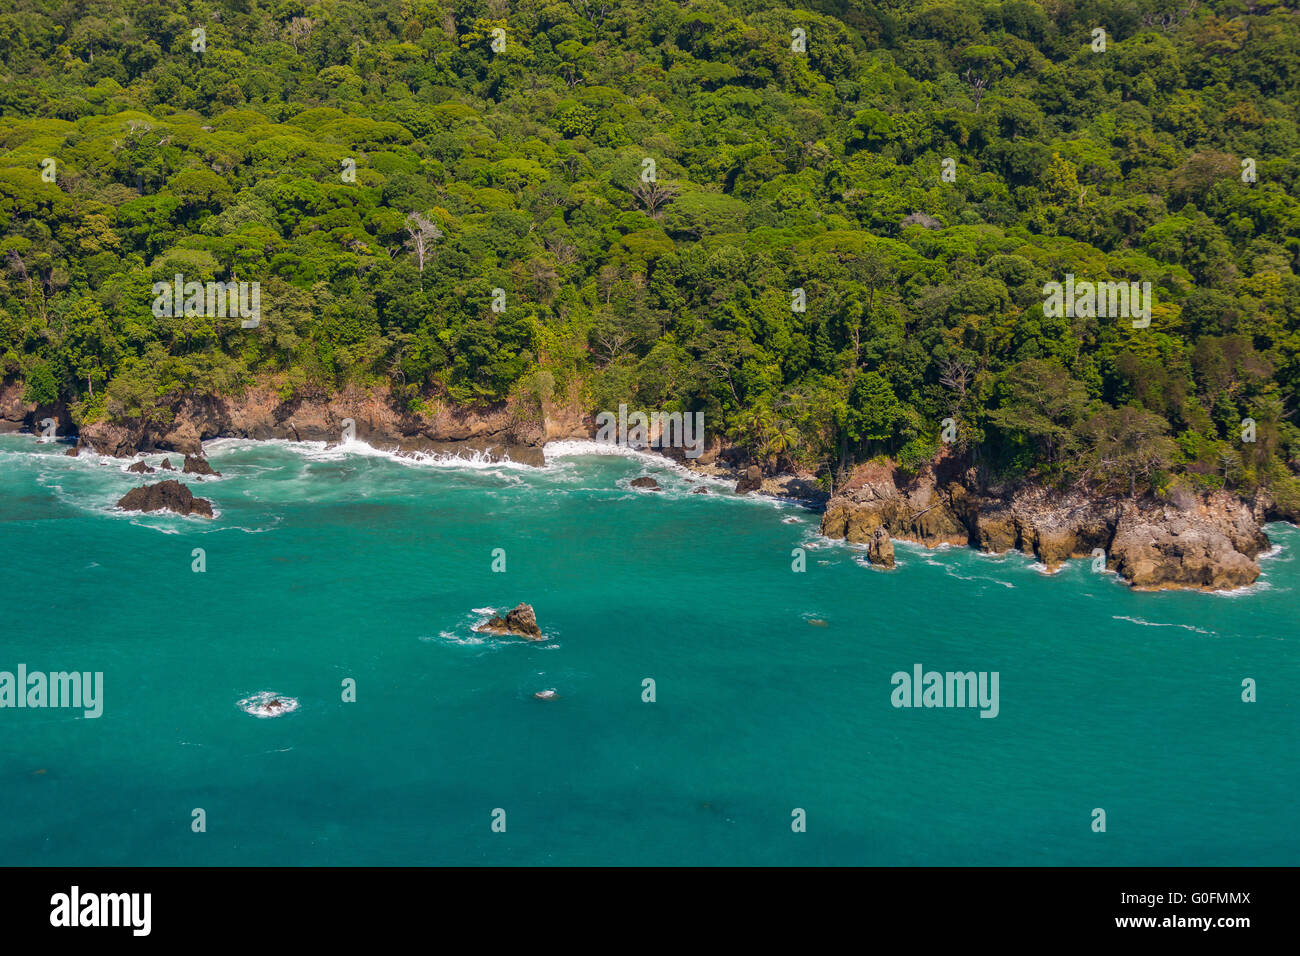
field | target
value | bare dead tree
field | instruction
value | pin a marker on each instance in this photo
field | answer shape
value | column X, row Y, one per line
column 593, row 10
column 299, row 29
column 978, row 84
column 565, row 252
column 607, row 279
column 422, row 234
column 1169, row 22
column 1230, row 462
column 611, row 343
column 543, row 276
column 956, row 375
column 655, row 196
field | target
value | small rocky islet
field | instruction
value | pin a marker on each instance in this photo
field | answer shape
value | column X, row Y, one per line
column 520, row 621
column 168, row 495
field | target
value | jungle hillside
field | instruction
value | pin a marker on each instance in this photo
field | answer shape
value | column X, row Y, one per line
column 828, row 227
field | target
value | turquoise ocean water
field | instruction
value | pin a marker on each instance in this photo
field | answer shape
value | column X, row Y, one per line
column 329, row 564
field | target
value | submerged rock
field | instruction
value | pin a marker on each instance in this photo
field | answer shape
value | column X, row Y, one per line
column 751, row 481
column 646, row 482
column 165, row 496
column 546, row 695
column 195, row 465
column 700, row 491
column 268, row 704
column 520, row 621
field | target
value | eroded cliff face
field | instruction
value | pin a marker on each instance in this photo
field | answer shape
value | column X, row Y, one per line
column 1212, row 543
column 498, row 432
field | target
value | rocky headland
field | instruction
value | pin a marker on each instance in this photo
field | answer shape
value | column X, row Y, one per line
column 1208, row 541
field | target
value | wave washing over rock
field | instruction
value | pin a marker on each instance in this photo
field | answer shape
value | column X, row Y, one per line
column 268, row 704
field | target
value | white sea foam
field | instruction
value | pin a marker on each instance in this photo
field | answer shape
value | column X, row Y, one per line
column 259, row 705
column 467, row 633
column 863, row 562
column 339, row 451
column 577, row 448
column 274, row 518
column 163, row 513
column 467, row 640
column 1144, row 623
column 1249, row 590
column 580, row 447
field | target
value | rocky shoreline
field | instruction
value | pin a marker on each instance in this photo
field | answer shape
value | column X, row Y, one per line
column 499, row 432
column 1207, row 542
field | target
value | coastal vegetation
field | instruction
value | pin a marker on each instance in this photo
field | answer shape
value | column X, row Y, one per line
column 835, row 253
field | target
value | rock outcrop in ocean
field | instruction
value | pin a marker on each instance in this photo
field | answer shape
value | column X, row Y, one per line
column 198, row 465
column 880, row 549
column 168, row 495
column 520, row 621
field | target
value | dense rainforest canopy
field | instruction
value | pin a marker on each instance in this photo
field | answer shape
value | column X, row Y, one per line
column 651, row 183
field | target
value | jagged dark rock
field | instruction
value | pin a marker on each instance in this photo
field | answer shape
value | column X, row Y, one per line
column 646, row 482
column 520, row 621
column 166, row 465
column 165, row 496
column 199, row 466
column 141, row 468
